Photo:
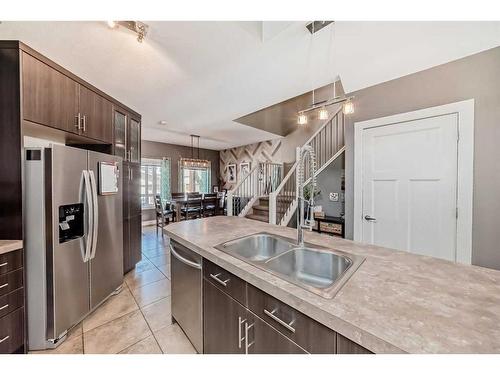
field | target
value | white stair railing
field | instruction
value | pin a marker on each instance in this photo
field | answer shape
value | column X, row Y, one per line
column 262, row 180
column 328, row 144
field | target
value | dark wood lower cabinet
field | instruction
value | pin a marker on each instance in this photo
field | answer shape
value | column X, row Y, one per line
column 132, row 218
column 264, row 339
column 346, row 346
column 242, row 319
column 12, row 332
column 223, row 324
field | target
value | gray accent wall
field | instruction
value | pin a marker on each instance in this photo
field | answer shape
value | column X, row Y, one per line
column 158, row 150
column 330, row 181
column 476, row 77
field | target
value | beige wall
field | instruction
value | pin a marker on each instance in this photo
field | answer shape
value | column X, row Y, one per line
column 476, row 77
column 157, row 150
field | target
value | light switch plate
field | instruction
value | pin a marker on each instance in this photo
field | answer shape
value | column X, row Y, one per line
column 334, row 197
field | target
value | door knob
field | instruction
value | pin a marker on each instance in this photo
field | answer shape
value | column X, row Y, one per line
column 369, row 218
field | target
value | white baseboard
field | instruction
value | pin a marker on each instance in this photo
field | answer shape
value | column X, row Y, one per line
column 148, row 223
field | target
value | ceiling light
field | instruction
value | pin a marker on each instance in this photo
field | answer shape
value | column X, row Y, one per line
column 348, row 107
column 301, row 119
column 162, row 122
column 323, row 114
column 112, row 24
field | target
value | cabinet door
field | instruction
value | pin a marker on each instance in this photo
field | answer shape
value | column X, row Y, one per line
column 127, row 263
column 97, row 115
column 223, row 322
column 135, row 239
column 135, row 189
column 120, row 119
column 346, row 346
column 49, row 97
column 261, row 338
column 134, row 140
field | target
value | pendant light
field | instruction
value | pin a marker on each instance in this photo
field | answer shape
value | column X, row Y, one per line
column 323, row 113
column 348, row 107
column 302, row 118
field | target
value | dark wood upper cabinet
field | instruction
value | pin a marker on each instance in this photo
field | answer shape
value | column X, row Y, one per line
column 134, row 140
column 120, row 125
column 49, row 97
column 96, row 116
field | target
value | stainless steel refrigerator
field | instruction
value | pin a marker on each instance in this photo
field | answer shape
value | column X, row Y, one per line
column 73, row 235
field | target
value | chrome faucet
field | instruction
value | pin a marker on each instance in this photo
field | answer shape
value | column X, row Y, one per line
column 305, row 221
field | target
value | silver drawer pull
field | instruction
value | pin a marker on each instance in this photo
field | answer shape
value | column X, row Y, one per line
column 4, row 285
column 4, row 264
column 216, row 278
column 240, row 339
column 278, row 320
column 4, row 307
column 4, row 339
column 247, row 331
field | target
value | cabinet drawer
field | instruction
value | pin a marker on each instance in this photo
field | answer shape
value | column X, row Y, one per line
column 11, row 332
column 11, row 281
column 225, row 281
column 11, row 261
column 306, row 332
column 11, row 301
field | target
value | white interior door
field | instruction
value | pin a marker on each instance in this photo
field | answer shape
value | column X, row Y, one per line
column 409, row 186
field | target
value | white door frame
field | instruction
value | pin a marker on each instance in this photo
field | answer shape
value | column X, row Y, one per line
column 465, row 179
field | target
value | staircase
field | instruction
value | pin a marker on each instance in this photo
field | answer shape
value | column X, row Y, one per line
column 260, row 210
column 265, row 196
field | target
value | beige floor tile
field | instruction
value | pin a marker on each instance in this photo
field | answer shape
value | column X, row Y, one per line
column 165, row 269
column 72, row 345
column 146, row 346
column 76, row 330
column 115, row 307
column 142, row 266
column 117, row 335
column 158, row 251
column 152, row 292
column 173, row 341
column 158, row 314
column 160, row 260
column 137, row 280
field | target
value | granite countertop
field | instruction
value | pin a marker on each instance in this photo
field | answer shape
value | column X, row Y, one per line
column 10, row 245
column 395, row 302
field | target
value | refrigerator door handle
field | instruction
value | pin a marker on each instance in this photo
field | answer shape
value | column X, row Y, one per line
column 90, row 215
column 95, row 212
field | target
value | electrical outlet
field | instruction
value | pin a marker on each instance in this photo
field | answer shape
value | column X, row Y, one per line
column 334, row 197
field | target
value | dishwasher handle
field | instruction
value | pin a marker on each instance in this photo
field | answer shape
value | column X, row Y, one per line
column 184, row 260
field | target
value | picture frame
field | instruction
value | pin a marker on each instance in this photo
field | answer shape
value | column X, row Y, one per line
column 244, row 168
column 231, row 173
column 215, row 189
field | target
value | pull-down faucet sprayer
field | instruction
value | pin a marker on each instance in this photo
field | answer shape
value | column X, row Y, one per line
column 305, row 220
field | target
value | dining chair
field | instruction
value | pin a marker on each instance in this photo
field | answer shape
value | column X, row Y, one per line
column 193, row 206
column 210, row 204
column 163, row 214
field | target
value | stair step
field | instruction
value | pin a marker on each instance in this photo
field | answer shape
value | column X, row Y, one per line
column 260, row 207
column 263, row 218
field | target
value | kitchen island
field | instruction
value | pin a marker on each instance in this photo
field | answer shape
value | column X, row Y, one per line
column 395, row 302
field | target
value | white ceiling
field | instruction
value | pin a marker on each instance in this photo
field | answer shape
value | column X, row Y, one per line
column 199, row 76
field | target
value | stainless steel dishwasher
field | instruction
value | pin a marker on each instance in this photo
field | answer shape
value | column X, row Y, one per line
column 187, row 302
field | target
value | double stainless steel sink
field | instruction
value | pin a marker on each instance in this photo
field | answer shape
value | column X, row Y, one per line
column 317, row 269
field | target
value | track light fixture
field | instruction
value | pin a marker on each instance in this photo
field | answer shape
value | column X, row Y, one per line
column 139, row 28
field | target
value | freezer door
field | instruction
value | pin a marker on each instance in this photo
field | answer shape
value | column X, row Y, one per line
column 68, row 297
column 106, row 263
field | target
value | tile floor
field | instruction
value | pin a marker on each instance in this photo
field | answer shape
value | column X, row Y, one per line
column 138, row 319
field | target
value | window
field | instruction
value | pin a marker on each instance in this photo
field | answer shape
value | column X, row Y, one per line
column 195, row 176
column 155, row 179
